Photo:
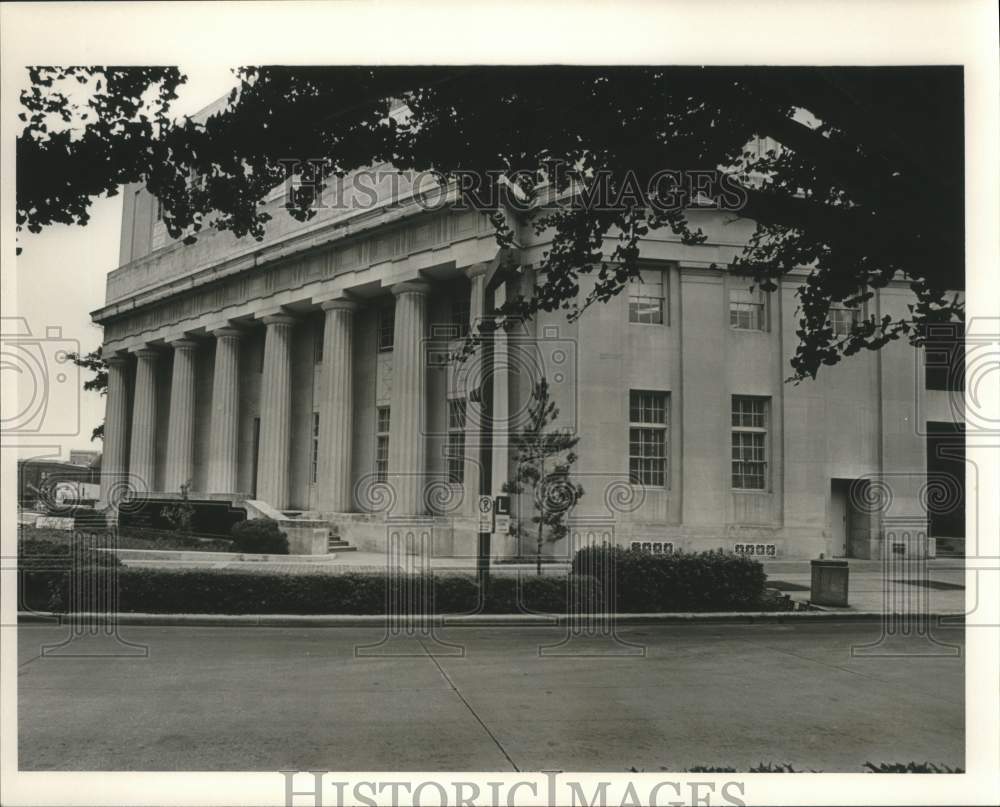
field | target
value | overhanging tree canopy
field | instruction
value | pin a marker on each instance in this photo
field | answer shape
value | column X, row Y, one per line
column 867, row 183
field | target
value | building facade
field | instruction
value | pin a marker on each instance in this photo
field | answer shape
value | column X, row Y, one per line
column 309, row 377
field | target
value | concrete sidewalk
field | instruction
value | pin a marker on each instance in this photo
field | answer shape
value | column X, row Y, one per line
column 941, row 591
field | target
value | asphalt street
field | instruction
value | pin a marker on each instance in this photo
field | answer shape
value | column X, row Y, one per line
column 661, row 698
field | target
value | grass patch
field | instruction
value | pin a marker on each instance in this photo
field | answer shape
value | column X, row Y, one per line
column 134, row 538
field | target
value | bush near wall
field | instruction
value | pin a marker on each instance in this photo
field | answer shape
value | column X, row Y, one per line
column 704, row 581
column 259, row 536
column 185, row 591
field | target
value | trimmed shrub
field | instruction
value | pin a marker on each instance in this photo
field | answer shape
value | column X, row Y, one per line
column 196, row 591
column 46, row 568
column 705, row 581
column 259, row 536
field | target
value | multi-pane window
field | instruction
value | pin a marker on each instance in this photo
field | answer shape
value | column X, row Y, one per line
column 459, row 320
column 386, row 328
column 314, row 454
column 318, row 342
column 646, row 297
column 747, row 310
column 647, row 437
column 749, row 430
column 455, row 451
column 382, row 444
column 159, row 230
column 843, row 319
column 944, row 356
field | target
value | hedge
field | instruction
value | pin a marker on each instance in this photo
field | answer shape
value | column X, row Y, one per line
column 705, row 581
column 44, row 569
column 186, row 591
column 643, row 583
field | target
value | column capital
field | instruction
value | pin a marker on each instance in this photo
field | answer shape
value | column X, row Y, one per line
column 410, row 287
column 117, row 360
column 226, row 331
column 476, row 270
column 183, row 343
column 338, row 304
column 146, row 352
column 278, row 319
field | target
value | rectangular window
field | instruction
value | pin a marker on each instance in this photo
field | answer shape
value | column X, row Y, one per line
column 459, row 319
column 314, row 455
column 843, row 318
column 749, row 432
column 455, row 451
column 318, row 329
column 746, row 310
column 647, row 437
column 944, row 356
column 646, row 298
column 386, row 328
column 382, row 444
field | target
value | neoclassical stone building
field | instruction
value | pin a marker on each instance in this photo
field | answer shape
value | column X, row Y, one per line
column 307, row 378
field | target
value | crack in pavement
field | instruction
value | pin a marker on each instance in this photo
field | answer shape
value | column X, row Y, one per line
column 468, row 706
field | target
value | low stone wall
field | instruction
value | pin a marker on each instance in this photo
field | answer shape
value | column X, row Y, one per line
column 371, row 533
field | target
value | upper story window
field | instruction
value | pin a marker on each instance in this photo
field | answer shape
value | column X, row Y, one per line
column 747, row 309
column 944, row 357
column 749, row 442
column 647, row 437
column 646, row 297
column 386, row 328
column 843, row 318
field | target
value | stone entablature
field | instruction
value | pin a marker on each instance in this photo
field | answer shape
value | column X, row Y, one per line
column 391, row 254
column 217, row 253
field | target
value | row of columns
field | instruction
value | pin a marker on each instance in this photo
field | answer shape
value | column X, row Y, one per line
column 408, row 432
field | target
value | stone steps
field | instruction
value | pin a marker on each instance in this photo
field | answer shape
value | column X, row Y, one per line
column 335, row 544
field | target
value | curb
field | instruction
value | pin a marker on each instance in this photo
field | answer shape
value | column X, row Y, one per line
column 591, row 623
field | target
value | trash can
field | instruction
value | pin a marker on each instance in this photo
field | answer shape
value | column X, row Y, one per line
column 829, row 582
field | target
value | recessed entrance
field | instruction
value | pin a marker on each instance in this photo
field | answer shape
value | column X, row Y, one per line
column 849, row 524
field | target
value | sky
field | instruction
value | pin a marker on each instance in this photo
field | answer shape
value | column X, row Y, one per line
column 61, row 276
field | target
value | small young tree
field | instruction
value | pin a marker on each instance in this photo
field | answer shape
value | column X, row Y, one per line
column 180, row 515
column 544, row 458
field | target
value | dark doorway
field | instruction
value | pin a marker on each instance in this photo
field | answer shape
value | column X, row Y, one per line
column 946, row 485
column 255, row 457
